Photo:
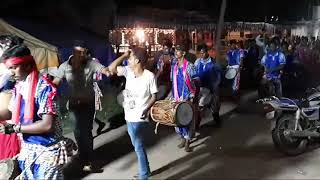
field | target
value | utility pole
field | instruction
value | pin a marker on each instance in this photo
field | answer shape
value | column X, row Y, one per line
column 220, row 27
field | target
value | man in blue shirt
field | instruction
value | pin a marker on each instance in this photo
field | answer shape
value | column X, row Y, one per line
column 234, row 59
column 273, row 63
column 208, row 73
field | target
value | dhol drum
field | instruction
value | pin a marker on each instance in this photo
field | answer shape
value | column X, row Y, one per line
column 205, row 97
column 172, row 113
column 231, row 72
column 9, row 169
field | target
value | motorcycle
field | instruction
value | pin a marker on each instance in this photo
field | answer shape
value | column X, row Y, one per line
column 294, row 123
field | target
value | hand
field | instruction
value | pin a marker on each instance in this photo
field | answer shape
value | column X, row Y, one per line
column 127, row 53
column 70, row 146
column 264, row 76
column 161, row 65
column 7, row 128
column 268, row 70
column 107, row 72
column 112, row 70
column 144, row 114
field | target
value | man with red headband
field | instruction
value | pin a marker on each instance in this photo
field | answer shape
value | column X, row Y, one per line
column 43, row 151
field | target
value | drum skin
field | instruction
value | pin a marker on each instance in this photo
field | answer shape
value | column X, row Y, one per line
column 9, row 169
column 165, row 112
column 231, row 73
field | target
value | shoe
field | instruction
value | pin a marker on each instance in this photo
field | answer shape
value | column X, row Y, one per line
column 136, row 177
column 101, row 126
column 87, row 168
column 217, row 120
column 182, row 144
column 187, row 146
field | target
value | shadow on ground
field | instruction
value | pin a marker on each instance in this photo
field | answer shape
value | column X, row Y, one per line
column 115, row 149
column 241, row 149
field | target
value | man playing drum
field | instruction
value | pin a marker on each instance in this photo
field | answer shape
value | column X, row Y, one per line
column 209, row 75
column 183, row 89
column 139, row 95
column 273, row 62
column 234, row 58
column 33, row 105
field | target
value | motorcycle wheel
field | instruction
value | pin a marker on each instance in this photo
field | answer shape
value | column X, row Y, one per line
column 288, row 145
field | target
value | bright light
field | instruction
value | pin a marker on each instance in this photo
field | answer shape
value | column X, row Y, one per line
column 140, row 35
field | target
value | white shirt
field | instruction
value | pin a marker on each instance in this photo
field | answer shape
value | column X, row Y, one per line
column 137, row 93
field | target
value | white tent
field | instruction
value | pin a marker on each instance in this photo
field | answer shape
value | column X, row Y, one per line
column 44, row 53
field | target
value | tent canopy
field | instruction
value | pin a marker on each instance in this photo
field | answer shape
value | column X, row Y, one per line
column 44, row 53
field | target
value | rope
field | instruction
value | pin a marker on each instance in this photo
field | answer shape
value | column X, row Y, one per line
column 156, row 129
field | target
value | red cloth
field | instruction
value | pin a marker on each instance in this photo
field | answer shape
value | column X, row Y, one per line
column 33, row 81
column 9, row 145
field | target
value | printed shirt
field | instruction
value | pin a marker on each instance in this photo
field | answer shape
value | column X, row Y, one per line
column 137, row 93
column 45, row 103
column 97, row 76
column 183, row 90
column 208, row 72
column 80, row 79
column 273, row 60
column 234, row 57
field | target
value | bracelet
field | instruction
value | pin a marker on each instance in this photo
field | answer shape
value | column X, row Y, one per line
column 17, row 128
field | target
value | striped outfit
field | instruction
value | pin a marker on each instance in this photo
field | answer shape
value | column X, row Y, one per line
column 41, row 162
column 42, row 155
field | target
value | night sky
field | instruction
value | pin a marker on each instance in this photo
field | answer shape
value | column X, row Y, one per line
column 237, row 10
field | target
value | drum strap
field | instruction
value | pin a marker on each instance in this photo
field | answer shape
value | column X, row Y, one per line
column 156, row 129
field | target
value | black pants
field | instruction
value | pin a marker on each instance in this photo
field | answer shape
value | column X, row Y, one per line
column 83, row 113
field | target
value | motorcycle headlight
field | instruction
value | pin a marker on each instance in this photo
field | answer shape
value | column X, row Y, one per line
column 268, row 108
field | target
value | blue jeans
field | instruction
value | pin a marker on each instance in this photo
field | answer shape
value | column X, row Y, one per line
column 136, row 132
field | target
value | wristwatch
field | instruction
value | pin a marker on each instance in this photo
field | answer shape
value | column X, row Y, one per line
column 17, row 128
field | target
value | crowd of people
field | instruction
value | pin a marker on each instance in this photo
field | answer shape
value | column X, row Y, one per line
column 32, row 132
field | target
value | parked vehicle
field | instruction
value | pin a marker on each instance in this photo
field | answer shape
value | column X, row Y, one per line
column 294, row 123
